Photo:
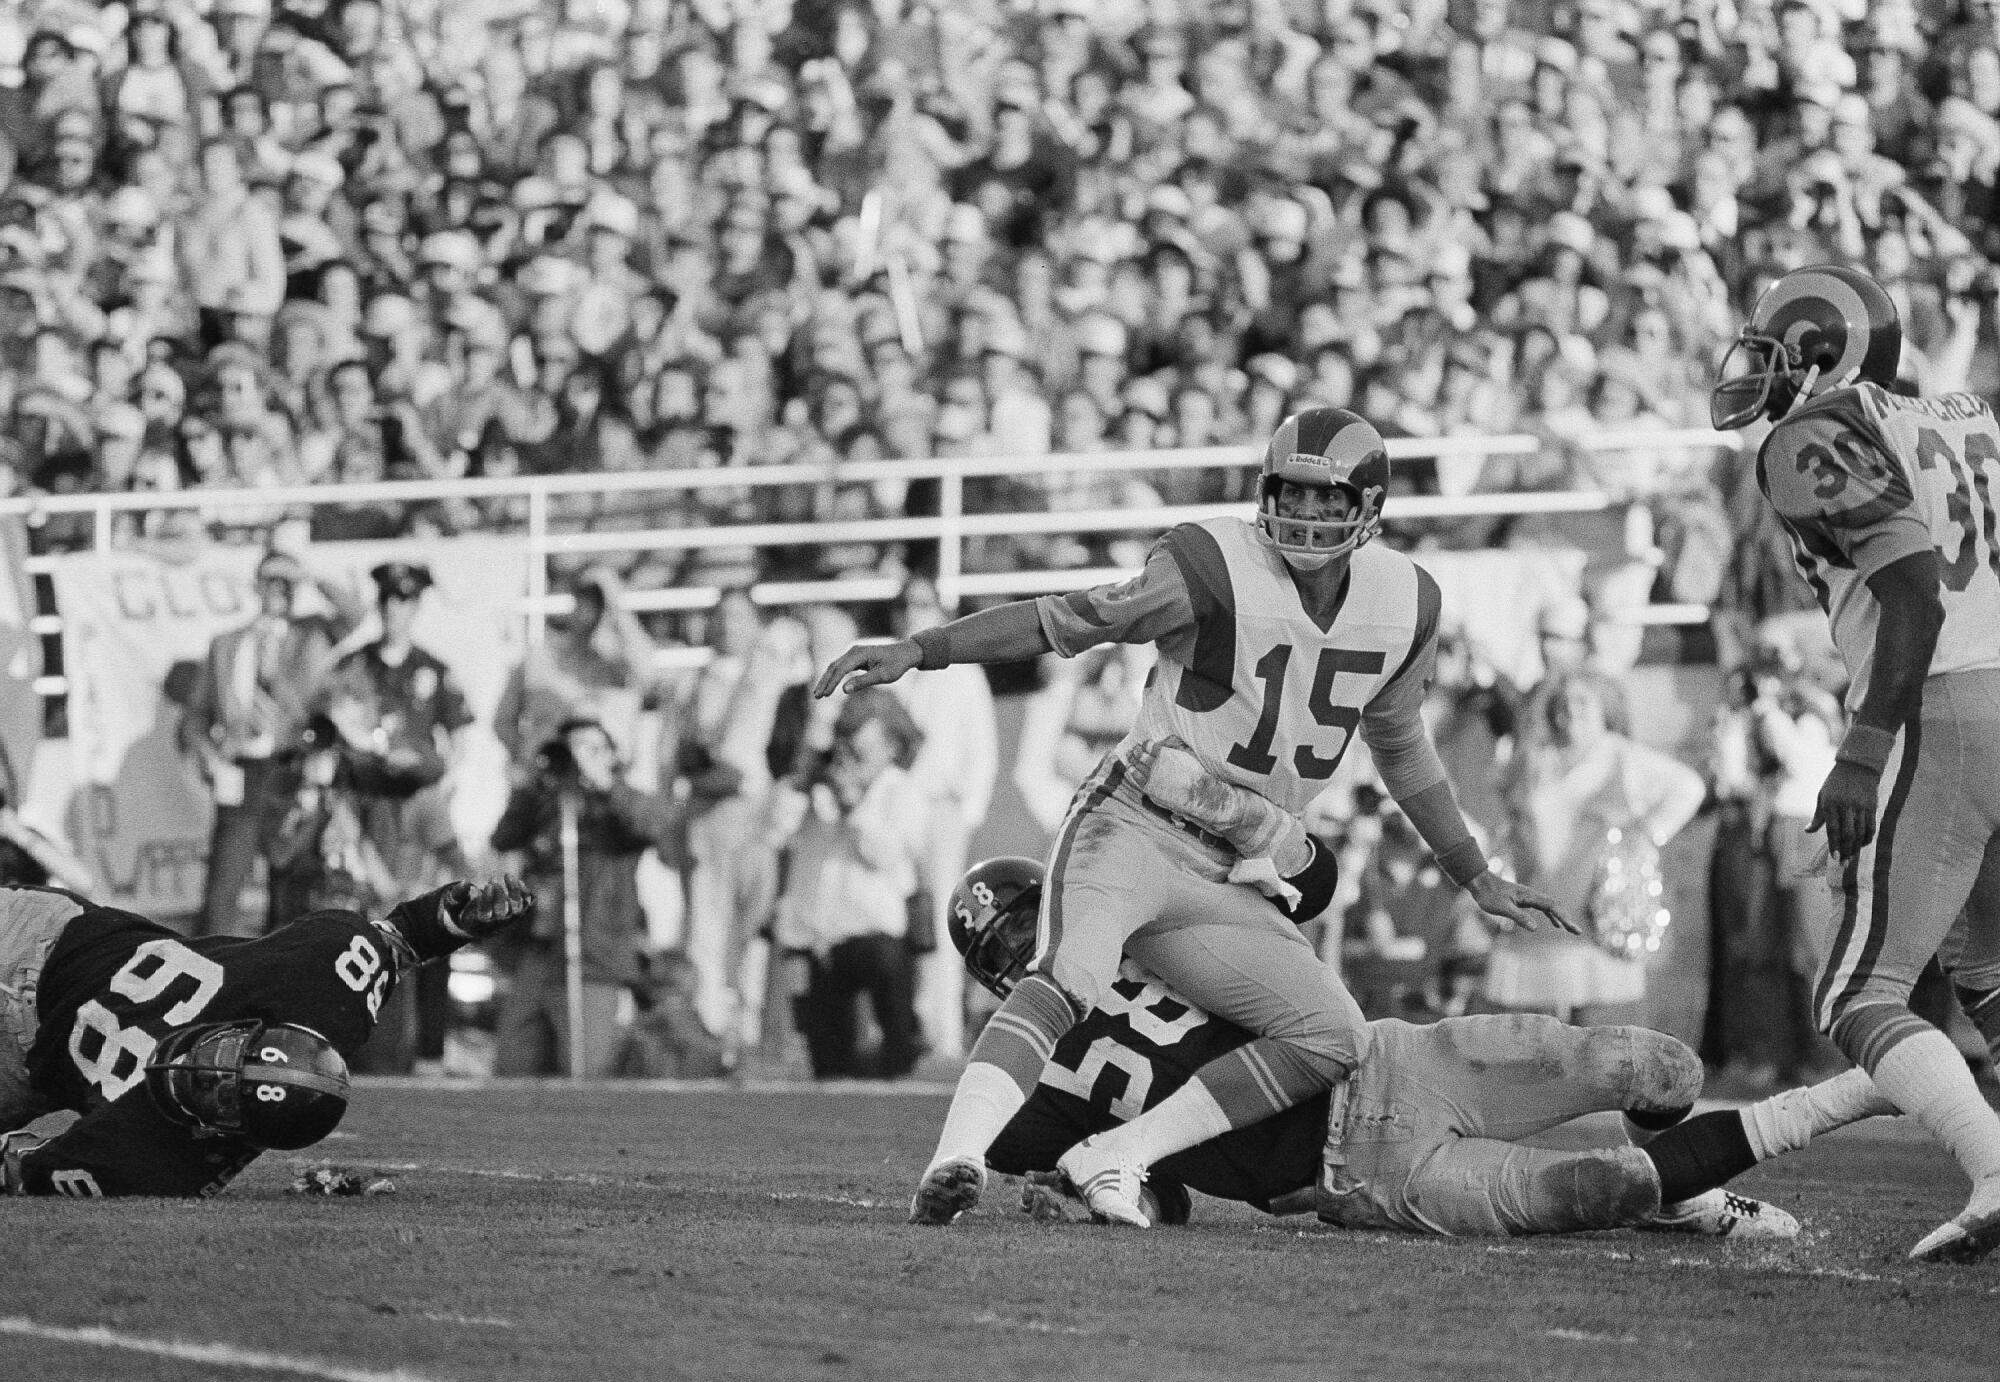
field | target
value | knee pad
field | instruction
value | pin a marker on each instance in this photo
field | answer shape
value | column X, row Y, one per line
column 1611, row 1187
column 1666, row 1074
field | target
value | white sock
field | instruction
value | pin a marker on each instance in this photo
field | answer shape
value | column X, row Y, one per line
column 1927, row 1078
column 1184, row 1118
column 1789, row 1121
column 986, row 1098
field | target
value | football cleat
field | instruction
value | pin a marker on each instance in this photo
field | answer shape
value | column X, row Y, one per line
column 1725, row 1214
column 1109, row 1184
column 1971, row 1235
column 947, row 1190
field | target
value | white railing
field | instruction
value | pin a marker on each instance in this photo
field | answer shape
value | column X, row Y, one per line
column 951, row 527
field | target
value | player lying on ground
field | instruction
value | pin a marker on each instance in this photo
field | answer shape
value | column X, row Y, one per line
column 1425, row 1136
column 187, row 1058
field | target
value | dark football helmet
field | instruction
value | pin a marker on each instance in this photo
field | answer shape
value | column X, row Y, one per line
column 272, row 1084
column 1324, row 447
column 1817, row 328
column 993, row 919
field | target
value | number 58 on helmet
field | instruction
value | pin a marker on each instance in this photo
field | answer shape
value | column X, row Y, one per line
column 993, row 918
column 275, row 1085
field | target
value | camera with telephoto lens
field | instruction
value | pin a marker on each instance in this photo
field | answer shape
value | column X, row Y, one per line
column 555, row 762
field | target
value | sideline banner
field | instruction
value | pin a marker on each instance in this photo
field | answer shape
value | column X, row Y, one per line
column 138, row 812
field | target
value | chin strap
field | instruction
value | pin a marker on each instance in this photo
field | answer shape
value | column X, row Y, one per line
column 1804, row 392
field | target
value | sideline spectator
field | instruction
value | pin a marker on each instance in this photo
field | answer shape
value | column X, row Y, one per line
column 1774, row 745
column 393, row 699
column 715, row 738
column 596, row 662
column 616, row 823
column 851, row 825
column 250, row 702
column 955, row 770
column 1577, row 787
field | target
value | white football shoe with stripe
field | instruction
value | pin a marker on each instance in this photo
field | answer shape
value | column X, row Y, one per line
column 1724, row 1214
column 947, row 1190
column 1971, row 1235
column 1109, row 1184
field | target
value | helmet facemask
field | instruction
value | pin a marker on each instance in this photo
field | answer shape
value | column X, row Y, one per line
column 1308, row 544
column 272, row 1085
column 1754, row 378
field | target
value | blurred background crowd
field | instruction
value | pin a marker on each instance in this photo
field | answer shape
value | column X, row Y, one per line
column 253, row 243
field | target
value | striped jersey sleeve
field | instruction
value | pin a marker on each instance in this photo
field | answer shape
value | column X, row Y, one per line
column 1154, row 606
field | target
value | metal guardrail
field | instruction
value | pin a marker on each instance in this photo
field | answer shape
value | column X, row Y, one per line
column 951, row 527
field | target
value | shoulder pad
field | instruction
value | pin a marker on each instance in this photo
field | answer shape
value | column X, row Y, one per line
column 1827, row 465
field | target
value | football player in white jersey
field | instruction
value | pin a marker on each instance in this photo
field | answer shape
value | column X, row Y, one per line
column 1888, row 501
column 1277, row 640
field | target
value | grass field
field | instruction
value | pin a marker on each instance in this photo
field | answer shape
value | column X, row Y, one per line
column 573, row 1234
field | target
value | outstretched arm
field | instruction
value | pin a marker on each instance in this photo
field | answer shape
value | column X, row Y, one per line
column 1005, row 633
column 1407, row 761
column 1152, row 606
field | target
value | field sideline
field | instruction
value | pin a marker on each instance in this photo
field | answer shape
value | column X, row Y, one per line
column 557, row 1233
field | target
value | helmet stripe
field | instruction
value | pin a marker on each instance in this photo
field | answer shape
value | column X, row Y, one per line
column 1817, row 283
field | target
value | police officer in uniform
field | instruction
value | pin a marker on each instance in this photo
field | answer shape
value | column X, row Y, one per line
column 393, row 699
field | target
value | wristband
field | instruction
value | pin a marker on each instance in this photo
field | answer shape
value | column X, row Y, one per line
column 1463, row 862
column 1866, row 746
column 935, row 645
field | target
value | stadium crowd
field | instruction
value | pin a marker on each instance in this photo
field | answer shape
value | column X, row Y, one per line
column 257, row 243
column 270, row 242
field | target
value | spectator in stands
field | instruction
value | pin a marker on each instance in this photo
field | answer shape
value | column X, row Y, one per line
column 851, row 825
column 250, row 701
column 615, row 824
column 231, row 258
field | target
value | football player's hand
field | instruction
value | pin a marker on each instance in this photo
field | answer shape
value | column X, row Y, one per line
column 478, row 910
column 1518, row 903
column 1847, row 808
column 868, row 664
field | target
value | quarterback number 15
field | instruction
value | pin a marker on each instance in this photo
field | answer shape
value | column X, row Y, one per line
column 1255, row 756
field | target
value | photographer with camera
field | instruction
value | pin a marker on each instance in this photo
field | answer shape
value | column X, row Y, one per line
column 250, row 700
column 577, row 770
column 852, row 825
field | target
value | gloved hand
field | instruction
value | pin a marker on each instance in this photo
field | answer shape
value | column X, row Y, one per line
column 478, row 910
